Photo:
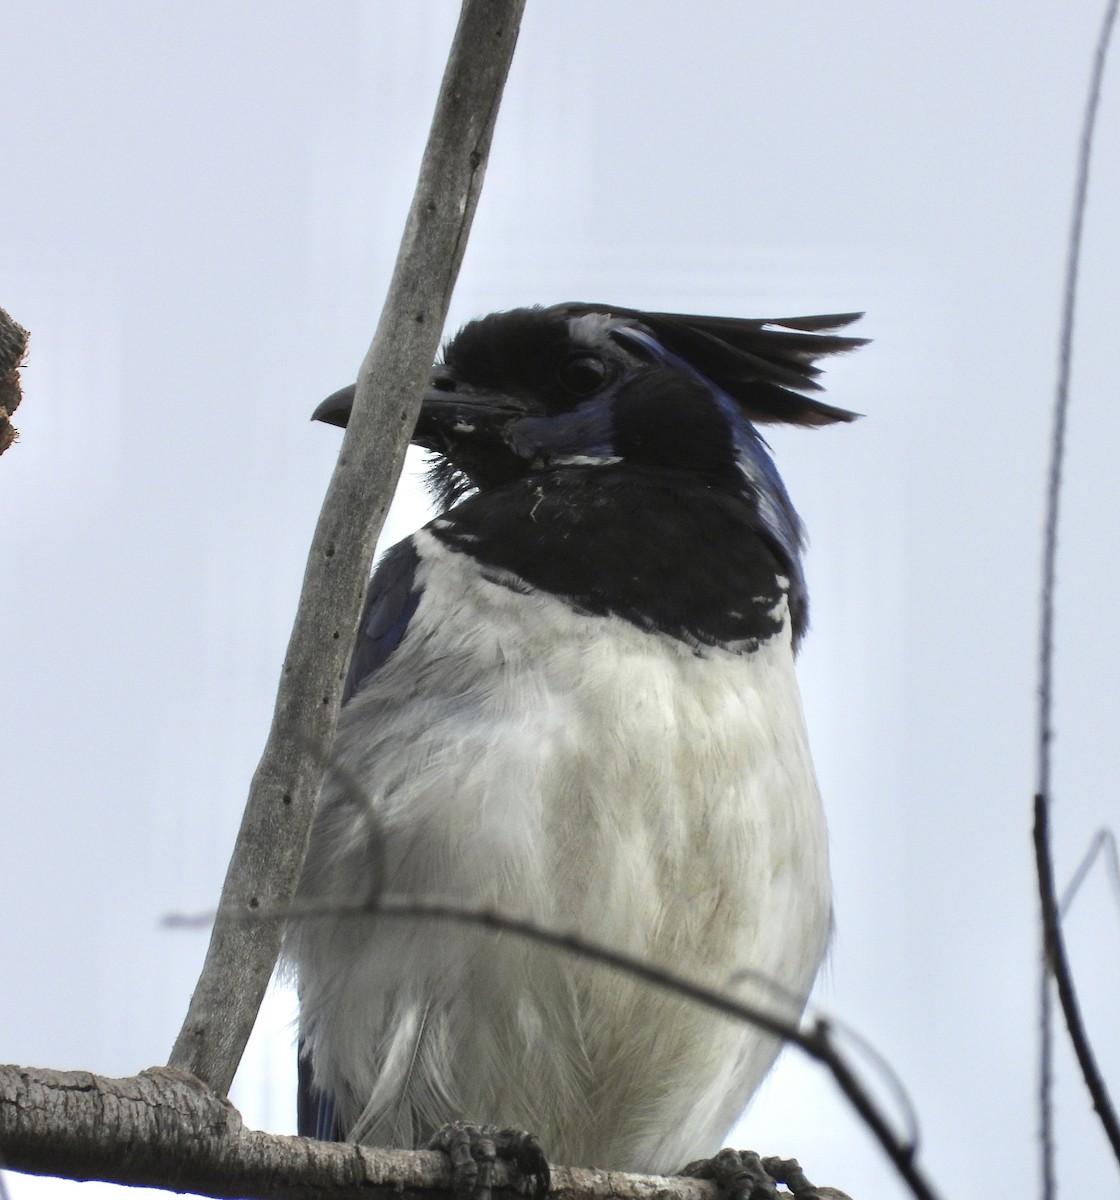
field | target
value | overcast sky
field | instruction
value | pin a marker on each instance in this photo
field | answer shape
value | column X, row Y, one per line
column 201, row 205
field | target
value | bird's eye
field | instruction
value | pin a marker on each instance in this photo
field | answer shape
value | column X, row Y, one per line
column 583, row 374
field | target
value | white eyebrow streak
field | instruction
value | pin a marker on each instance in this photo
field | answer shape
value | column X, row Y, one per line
column 590, row 329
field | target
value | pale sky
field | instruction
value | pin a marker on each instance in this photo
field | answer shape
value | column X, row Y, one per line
column 201, row 206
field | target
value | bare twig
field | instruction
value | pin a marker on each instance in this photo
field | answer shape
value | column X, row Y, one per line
column 1059, row 967
column 1053, row 951
column 1061, row 411
column 817, row 1041
column 890, row 1079
column 273, row 837
column 1045, row 1079
column 1102, row 845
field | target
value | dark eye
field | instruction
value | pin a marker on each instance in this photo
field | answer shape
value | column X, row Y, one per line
column 583, row 374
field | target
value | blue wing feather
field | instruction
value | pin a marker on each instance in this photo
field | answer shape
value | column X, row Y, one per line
column 316, row 1112
column 390, row 603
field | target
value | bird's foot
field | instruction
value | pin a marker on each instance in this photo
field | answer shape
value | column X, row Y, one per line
column 743, row 1175
column 473, row 1150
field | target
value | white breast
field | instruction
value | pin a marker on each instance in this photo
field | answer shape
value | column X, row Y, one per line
column 580, row 772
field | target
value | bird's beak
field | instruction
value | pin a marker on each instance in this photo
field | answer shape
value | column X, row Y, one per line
column 335, row 409
column 454, row 414
column 448, row 411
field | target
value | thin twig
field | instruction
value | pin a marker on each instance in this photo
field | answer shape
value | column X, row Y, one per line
column 273, row 837
column 1059, row 967
column 1053, row 951
column 1103, row 844
column 1061, row 411
column 1046, row 1078
column 890, row 1076
column 817, row 1042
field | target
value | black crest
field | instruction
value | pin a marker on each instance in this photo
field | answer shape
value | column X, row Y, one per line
column 766, row 364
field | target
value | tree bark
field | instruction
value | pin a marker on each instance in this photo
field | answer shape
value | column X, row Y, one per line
column 163, row 1128
column 13, row 346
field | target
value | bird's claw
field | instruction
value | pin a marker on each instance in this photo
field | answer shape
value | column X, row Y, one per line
column 744, row 1175
column 473, row 1150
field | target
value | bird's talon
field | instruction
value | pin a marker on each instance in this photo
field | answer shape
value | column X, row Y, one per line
column 473, row 1150
column 744, row 1175
column 788, row 1171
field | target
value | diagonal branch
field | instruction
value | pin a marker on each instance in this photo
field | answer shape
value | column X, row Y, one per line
column 273, row 837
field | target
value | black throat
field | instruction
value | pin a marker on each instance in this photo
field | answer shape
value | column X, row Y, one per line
column 670, row 551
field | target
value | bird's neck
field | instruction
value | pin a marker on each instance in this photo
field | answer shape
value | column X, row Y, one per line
column 679, row 553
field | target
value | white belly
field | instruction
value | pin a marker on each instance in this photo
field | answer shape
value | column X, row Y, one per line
column 592, row 777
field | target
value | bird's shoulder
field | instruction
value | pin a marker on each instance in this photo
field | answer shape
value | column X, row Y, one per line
column 391, row 601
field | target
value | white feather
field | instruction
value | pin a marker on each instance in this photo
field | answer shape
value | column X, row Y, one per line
column 580, row 772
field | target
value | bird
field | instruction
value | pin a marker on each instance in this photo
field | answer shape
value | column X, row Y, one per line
column 573, row 699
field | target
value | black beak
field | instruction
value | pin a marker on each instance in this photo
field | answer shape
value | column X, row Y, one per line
column 335, row 409
column 448, row 411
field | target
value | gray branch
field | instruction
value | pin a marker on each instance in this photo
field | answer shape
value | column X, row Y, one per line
column 273, row 837
column 163, row 1128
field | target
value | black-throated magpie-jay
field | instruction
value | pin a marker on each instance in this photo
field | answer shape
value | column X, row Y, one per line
column 573, row 698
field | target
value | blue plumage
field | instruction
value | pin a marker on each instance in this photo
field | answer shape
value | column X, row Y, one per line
column 393, row 596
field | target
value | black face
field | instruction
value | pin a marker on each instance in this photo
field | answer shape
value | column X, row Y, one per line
column 578, row 384
column 530, row 355
column 520, row 392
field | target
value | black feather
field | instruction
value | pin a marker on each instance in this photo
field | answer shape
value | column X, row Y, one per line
column 765, row 364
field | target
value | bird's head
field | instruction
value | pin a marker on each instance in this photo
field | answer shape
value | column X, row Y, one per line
column 536, row 388
column 539, row 389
